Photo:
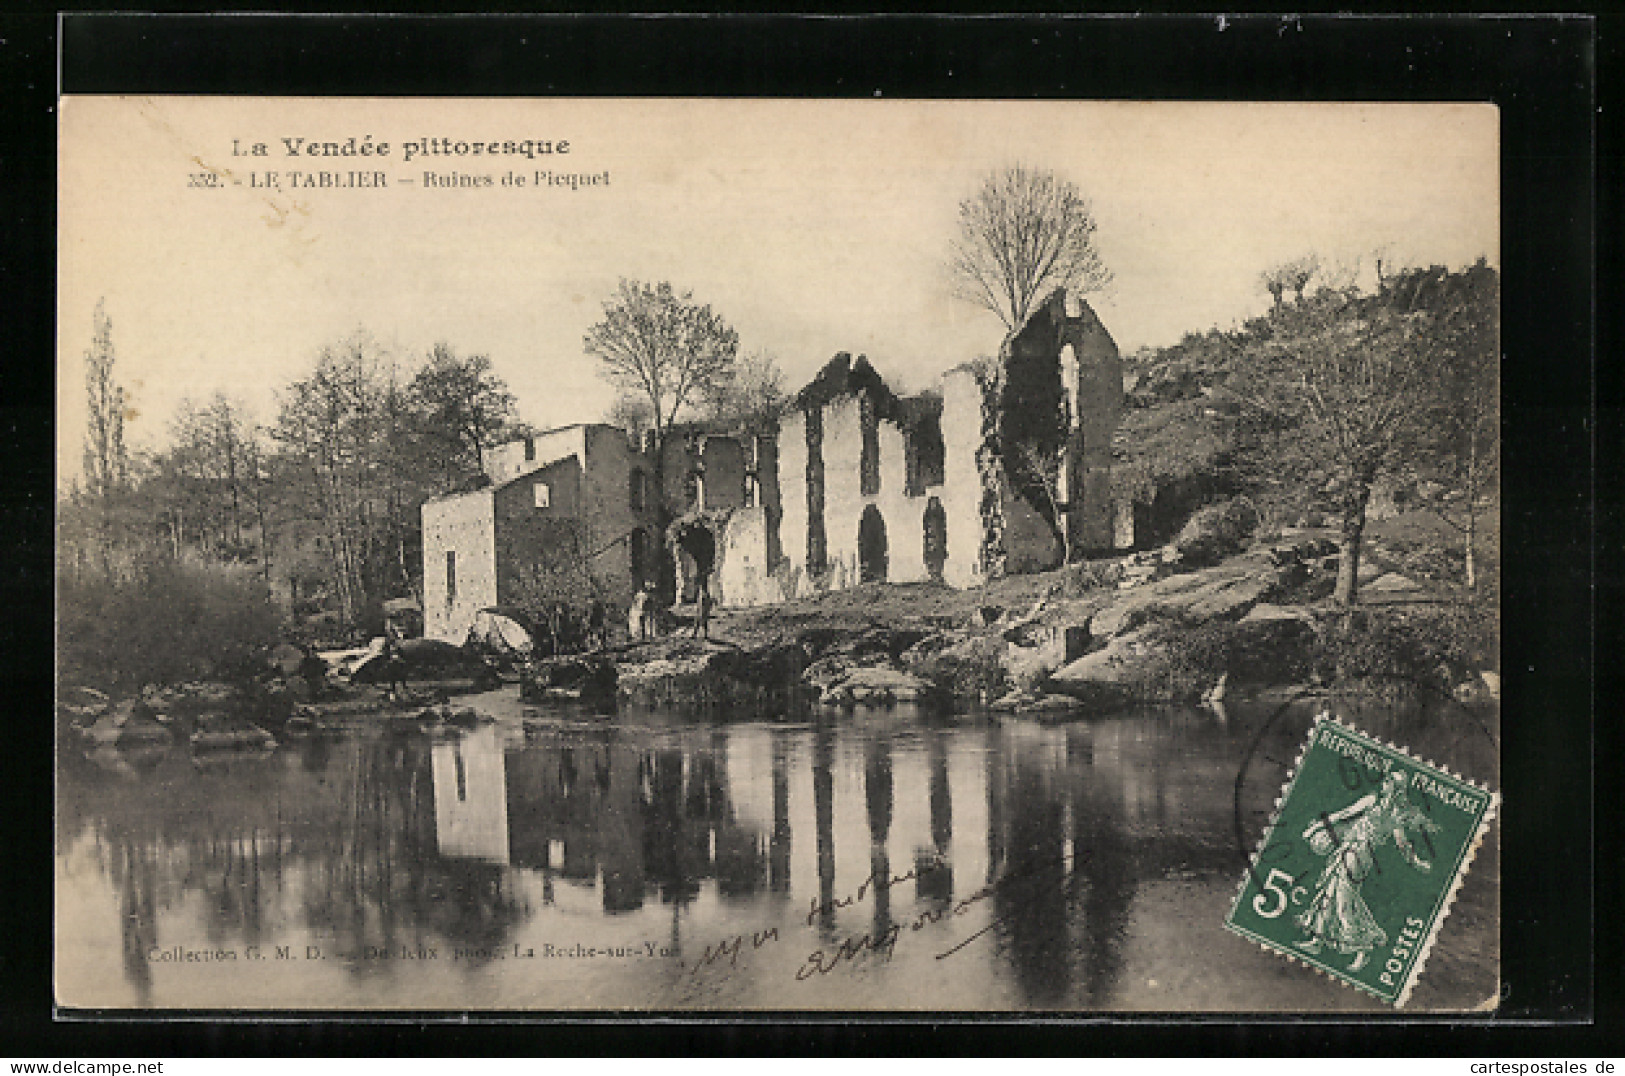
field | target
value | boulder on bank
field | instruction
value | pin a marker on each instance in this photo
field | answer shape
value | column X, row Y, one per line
column 585, row 677
column 1036, row 702
column 1217, row 531
column 1217, row 594
column 876, row 685
column 694, row 673
column 1124, row 669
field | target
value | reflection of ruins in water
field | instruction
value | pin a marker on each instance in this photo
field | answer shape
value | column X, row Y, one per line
column 391, row 843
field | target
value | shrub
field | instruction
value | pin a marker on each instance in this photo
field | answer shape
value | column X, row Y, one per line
column 1427, row 648
column 973, row 670
column 1085, row 576
column 168, row 622
column 1217, row 531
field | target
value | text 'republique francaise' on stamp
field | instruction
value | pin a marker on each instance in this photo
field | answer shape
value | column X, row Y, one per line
column 1357, row 870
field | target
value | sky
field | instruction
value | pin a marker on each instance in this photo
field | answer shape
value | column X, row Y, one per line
column 812, row 227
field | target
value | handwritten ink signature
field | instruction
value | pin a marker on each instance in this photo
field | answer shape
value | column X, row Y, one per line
column 870, row 883
column 822, row 961
column 881, row 944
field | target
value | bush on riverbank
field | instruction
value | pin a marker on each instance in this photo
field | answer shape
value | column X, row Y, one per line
column 165, row 623
column 1432, row 648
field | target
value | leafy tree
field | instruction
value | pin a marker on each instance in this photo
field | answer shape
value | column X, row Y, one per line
column 335, row 425
column 659, row 345
column 462, row 405
column 1023, row 234
column 207, row 484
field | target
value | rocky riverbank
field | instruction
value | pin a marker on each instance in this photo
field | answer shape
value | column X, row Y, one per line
column 1164, row 625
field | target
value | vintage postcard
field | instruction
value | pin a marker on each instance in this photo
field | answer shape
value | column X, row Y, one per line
column 673, row 555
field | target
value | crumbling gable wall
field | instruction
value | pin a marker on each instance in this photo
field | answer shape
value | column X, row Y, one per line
column 1099, row 411
column 1052, row 400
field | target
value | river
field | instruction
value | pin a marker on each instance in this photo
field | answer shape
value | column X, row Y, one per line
column 557, row 860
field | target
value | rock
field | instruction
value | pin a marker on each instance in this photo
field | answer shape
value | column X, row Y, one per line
column 1389, row 583
column 986, row 616
column 876, row 685
column 1029, row 666
column 1222, row 595
column 585, row 676
column 1111, row 676
column 1216, row 531
column 1264, row 612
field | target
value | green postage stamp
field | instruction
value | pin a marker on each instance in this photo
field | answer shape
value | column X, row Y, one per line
column 1357, row 870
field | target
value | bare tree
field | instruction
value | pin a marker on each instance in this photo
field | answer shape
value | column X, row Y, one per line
column 754, row 398
column 658, row 344
column 1293, row 275
column 1359, row 379
column 1041, row 467
column 1021, row 236
column 630, row 412
column 1300, row 271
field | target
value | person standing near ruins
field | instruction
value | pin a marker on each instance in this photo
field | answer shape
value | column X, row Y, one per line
column 702, row 609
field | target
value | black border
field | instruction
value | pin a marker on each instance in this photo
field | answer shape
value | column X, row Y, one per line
column 1541, row 71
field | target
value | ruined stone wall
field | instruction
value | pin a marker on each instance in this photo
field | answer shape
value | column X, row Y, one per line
column 723, row 461
column 542, row 553
column 792, row 486
column 742, row 577
column 607, row 514
column 843, row 497
column 463, row 525
column 961, row 491
column 904, row 515
column 508, row 461
column 680, row 456
column 770, row 496
column 1100, row 409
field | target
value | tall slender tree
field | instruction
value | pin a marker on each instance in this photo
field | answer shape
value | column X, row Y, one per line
column 106, row 460
column 1023, row 234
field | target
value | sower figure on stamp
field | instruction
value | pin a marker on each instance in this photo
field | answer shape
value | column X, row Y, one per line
column 1337, row 915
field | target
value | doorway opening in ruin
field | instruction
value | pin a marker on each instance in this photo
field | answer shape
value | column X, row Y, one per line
column 936, row 539
column 640, row 557
column 695, row 555
column 872, row 546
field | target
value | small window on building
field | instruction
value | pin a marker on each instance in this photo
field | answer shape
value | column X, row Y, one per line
column 451, row 577
column 544, row 495
column 694, row 490
column 638, row 493
column 530, row 449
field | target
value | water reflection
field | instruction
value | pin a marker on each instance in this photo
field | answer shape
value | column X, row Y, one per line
column 636, row 836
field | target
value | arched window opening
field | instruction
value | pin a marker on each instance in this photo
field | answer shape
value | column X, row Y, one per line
column 936, row 539
column 872, row 546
